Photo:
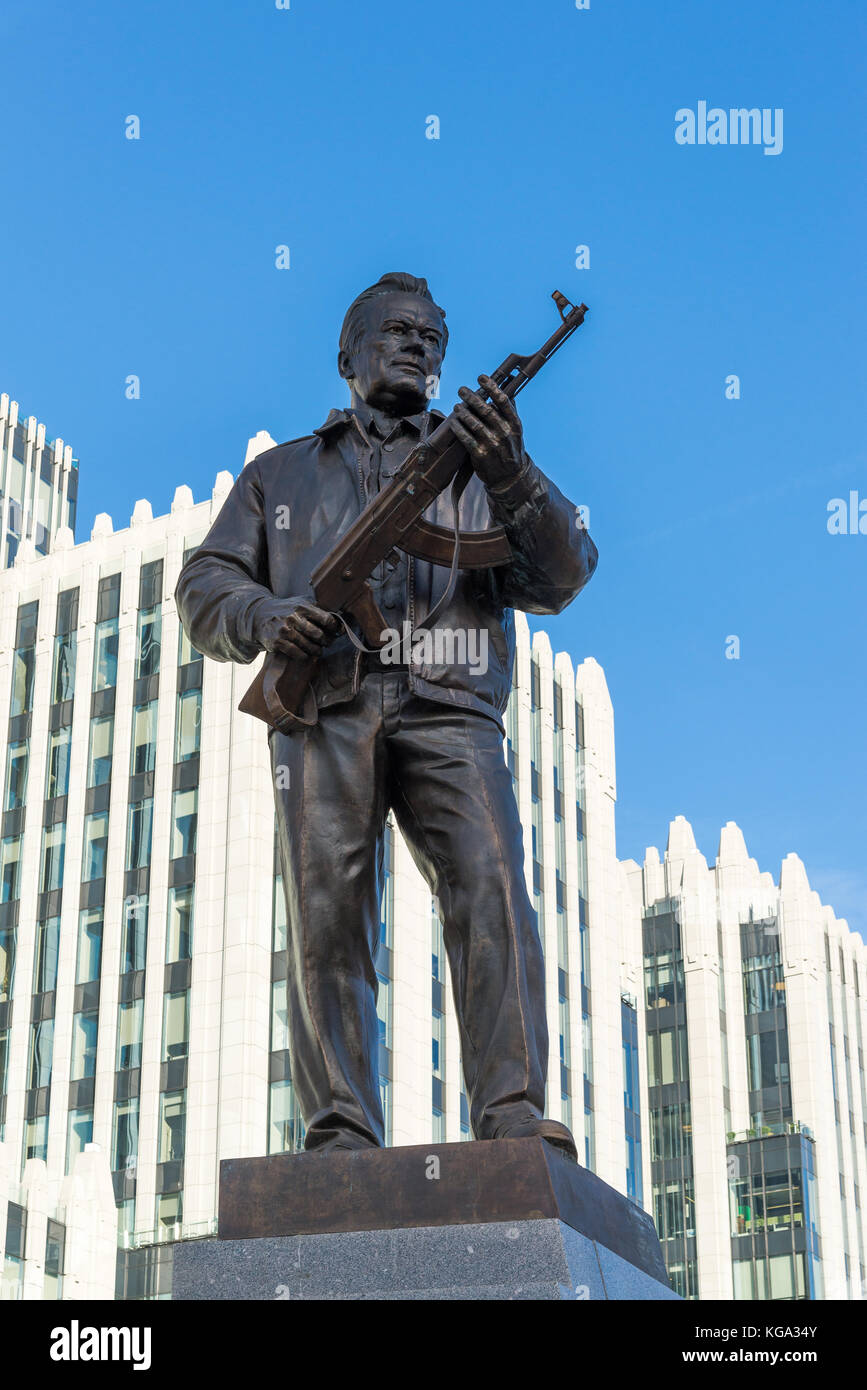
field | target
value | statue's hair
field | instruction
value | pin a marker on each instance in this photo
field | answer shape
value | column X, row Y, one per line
column 395, row 282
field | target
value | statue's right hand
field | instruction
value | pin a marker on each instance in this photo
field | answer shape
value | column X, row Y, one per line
column 294, row 626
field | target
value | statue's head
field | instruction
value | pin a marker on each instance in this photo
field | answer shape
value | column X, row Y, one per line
column 392, row 345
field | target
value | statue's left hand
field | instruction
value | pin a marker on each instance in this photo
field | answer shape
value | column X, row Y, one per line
column 491, row 433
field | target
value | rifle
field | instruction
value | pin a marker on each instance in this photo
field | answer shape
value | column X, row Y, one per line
column 393, row 520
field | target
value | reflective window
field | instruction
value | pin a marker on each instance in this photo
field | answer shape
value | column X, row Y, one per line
column 130, row 1022
column 84, row 1030
column 176, row 1026
column 764, row 986
column 125, row 1139
column 46, row 955
column 139, row 830
column 53, row 849
column 134, row 934
column 95, row 846
column 100, row 754
column 7, row 963
column 79, row 1132
column 279, row 1017
column 185, row 813
column 16, row 776
column 89, row 945
column 768, row 1059
column 63, row 679
column 189, row 723
column 105, row 655
column 57, row 774
column 179, row 927
column 36, row 1138
column 169, row 1213
column 173, row 1121
column 41, row 1053
column 279, row 939
column 663, row 980
column 10, row 868
column 667, row 1057
column 186, row 650
column 285, row 1126
column 144, row 738
column 23, row 670
column 148, row 642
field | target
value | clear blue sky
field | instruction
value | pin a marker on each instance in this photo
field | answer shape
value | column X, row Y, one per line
column 261, row 127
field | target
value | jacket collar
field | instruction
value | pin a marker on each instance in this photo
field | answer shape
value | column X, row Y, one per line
column 338, row 420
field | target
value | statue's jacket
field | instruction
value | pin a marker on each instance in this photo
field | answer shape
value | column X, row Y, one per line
column 291, row 504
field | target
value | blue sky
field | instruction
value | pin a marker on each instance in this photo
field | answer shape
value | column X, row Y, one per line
column 306, row 127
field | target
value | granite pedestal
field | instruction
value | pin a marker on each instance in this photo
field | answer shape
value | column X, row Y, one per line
column 506, row 1219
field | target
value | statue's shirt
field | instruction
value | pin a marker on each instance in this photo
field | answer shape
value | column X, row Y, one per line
column 390, row 443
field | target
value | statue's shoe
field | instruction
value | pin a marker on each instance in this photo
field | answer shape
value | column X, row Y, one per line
column 550, row 1130
column 347, row 1142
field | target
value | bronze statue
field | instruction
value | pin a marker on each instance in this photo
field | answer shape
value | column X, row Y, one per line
column 359, row 727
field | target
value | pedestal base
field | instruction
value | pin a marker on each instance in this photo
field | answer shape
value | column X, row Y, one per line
column 507, row 1218
column 543, row 1259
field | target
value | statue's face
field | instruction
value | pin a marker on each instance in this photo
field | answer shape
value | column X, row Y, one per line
column 401, row 351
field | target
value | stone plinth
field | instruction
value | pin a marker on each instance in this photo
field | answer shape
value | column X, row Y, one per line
column 508, row 1219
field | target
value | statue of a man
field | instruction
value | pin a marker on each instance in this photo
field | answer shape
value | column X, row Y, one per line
column 423, row 739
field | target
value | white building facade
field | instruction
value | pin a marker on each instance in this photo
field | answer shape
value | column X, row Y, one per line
column 755, row 1004
column 38, row 483
column 142, row 955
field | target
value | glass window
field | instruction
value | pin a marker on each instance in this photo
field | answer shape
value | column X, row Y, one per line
column 173, row 1120
column 63, row 682
column 189, row 725
column 23, row 668
column 185, row 808
column 89, row 945
column 57, row 775
column 45, row 955
column 134, row 934
column 176, row 1026
column 53, row 848
column 99, row 757
column 285, row 1126
column 130, row 1023
column 125, row 1139
column 764, row 986
column 782, row 1276
column 144, row 738
column 84, row 1030
column 36, row 1138
column 169, row 1213
column 4, row 1058
column 16, row 776
column 55, row 1241
column 95, row 846
column 7, row 963
column 179, row 927
column 105, row 655
column 667, row 1059
column 41, row 1052
column 79, row 1132
column 148, row 647
column 280, row 1017
column 186, row 650
column 10, row 868
column 279, row 940
column 768, row 1055
column 140, row 826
